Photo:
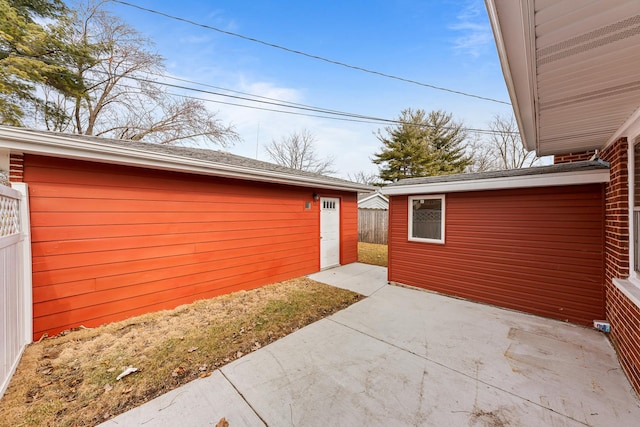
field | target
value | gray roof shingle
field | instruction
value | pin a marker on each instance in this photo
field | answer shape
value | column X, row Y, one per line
column 201, row 154
column 533, row 171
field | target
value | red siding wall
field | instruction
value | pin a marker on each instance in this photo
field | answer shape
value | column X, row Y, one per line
column 536, row 250
column 111, row 241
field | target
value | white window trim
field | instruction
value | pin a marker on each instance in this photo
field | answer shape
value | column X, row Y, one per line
column 410, row 218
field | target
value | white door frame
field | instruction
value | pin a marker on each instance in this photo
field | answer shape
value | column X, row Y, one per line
column 329, row 232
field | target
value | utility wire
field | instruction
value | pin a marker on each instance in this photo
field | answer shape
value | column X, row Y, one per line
column 308, row 55
column 323, row 113
column 344, row 116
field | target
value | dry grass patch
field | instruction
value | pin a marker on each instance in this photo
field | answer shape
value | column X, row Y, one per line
column 371, row 253
column 70, row 379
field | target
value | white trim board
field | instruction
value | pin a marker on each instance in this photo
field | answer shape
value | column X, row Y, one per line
column 530, row 181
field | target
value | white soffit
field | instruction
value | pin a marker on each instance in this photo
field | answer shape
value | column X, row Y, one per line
column 576, row 62
column 529, row 181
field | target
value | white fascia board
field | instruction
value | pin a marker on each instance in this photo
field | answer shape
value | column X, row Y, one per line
column 373, row 196
column 70, row 148
column 517, row 61
column 630, row 129
column 547, row 180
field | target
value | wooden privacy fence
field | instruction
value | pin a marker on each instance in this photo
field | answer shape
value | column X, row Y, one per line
column 15, row 280
column 373, row 225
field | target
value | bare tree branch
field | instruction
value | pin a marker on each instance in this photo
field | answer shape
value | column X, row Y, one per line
column 297, row 151
column 362, row 177
column 115, row 63
column 507, row 145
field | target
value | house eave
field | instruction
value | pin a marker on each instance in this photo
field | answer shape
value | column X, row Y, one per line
column 65, row 146
column 503, row 183
column 569, row 67
column 521, row 85
column 373, row 196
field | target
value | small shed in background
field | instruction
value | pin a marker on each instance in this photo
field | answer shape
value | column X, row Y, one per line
column 373, row 217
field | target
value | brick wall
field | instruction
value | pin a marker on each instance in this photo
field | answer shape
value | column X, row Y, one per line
column 616, row 212
column 621, row 312
column 16, row 167
column 572, row 157
column 624, row 316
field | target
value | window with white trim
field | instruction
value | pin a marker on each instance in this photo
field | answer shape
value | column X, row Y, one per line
column 426, row 218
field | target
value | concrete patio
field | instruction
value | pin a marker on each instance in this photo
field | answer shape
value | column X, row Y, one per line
column 405, row 357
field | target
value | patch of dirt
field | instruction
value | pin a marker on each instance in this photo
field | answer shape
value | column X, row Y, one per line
column 488, row 418
column 71, row 379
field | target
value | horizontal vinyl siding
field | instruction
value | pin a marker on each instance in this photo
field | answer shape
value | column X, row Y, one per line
column 110, row 241
column 349, row 229
column 536, row 250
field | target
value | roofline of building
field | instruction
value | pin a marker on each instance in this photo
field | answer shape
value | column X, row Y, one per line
column 371, row 196
column 72, row 147
column 593, row 176
column 519, row 72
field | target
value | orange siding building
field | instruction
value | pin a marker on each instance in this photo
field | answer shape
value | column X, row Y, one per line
column 112, row 241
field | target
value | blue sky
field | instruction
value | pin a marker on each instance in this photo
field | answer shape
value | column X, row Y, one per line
column 442, row 43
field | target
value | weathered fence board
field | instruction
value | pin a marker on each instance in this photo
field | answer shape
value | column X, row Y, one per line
column 373, row 225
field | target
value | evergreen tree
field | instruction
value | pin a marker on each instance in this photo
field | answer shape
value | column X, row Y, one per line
column 29, row 55
column 446, row 144
column 422, row 145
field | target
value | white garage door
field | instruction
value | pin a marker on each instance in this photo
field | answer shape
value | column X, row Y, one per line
column 329, row 232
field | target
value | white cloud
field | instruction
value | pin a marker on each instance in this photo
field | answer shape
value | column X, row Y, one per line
column 475, row 32
column 350, row 144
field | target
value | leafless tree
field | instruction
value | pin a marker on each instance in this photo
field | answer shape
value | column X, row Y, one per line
column 507, row 145
column 482, row 154
column 121, row 97
column 297, row 151
column 502, row 149
column 362, row 177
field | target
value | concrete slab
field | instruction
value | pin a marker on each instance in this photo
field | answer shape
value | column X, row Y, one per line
column 201, row 402
column 329, row 374
column 364, row 279
column 566, row 368
column 405, row 357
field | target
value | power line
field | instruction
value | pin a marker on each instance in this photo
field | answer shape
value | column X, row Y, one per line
column 332, row 114
column 308, row 55
column 346, row 116
column 284, row 103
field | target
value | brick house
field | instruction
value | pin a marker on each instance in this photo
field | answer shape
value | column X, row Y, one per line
column 571, row 68
column 120, row 228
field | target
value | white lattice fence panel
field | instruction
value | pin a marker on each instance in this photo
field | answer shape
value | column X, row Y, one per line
column 9, row 216
column 15, row 283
